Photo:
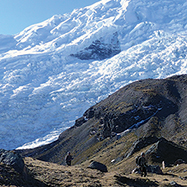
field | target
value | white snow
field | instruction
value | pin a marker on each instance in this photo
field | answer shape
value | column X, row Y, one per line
column 43, row 90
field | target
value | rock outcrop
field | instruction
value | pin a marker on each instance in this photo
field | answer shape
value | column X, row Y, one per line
column 137, row 104
column 140, row 144
column 13, row 159
column 100, row 50
column 99, row 166
column 166, row 151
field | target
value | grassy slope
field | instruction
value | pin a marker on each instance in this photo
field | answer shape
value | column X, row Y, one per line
column 51, row 174
column 118, row 175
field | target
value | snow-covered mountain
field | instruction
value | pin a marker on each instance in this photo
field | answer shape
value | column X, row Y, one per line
column 51, row 72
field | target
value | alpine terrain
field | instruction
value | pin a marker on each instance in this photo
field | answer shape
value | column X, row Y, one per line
column 54, row 71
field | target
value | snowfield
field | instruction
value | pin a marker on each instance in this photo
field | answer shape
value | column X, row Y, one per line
column 45, row 86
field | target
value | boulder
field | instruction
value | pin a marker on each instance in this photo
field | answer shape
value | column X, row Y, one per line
column 151, row 169
column 13, row 159
column 136, row 170
column 80, row 121
column 167, row 151
column 179, row 161
column 100, row 50
column 140, row 144
column 99, row 166
column 154, row 169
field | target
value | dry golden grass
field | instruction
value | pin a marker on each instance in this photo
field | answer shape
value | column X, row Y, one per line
column 119, row 173
column 56, row 175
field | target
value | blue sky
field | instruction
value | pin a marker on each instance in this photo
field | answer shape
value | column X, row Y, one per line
column 16, row 15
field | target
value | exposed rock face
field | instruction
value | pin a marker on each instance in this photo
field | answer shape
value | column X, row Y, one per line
column 80, row 121
column 141, row 143
column 167, row 151
column 136, row 104
column 13, row 159
column 100, row 50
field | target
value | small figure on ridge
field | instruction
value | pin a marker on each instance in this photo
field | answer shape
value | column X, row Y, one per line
column 68, row 159
column 141, row 161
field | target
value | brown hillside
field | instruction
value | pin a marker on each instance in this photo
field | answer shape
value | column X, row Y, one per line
column 147, row 108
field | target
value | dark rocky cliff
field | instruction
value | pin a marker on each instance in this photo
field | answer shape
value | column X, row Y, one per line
column 140, row 103
column 100, row 50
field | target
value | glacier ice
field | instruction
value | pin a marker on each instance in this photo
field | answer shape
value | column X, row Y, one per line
column 43, row 89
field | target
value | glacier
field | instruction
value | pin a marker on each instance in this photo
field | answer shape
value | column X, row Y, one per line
column 49, row 73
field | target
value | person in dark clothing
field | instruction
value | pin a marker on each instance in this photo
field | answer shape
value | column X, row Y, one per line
column 68, row 159
column 143, row 165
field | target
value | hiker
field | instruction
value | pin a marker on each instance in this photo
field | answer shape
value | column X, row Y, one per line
column 143, row 164
column 68, row 159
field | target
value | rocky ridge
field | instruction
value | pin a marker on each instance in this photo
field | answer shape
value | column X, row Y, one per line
column 145, row 108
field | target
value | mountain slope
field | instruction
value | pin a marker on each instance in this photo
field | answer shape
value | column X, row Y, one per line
column 156, row 109
column 45, row 83
column 136, row 116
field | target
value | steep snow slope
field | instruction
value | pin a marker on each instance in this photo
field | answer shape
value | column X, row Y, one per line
column 45, row 84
